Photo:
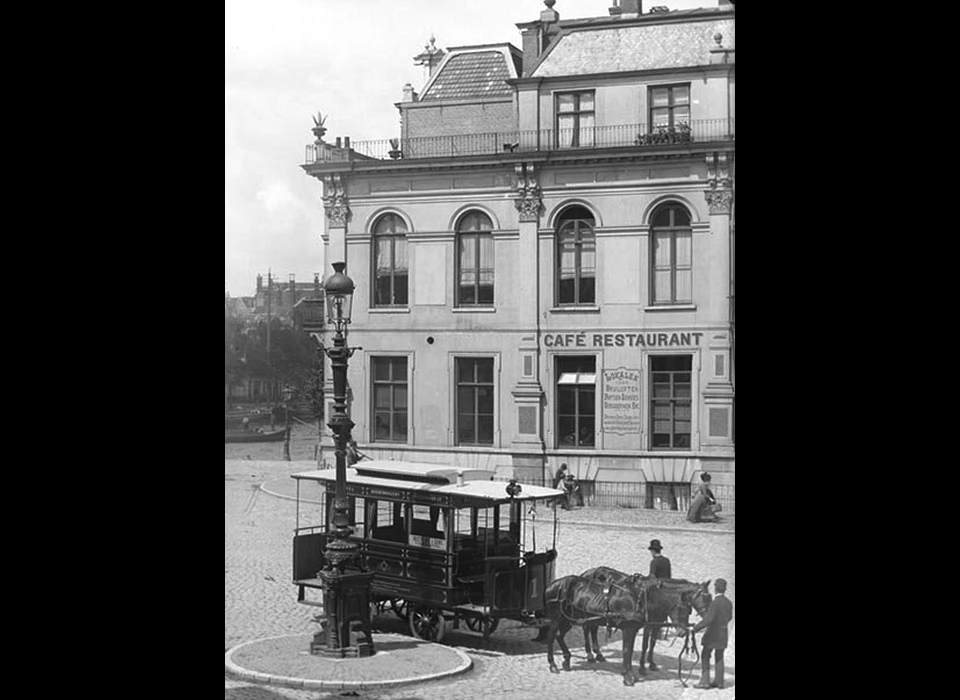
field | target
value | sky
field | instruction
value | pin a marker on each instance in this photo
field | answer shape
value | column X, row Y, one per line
column 285, row 60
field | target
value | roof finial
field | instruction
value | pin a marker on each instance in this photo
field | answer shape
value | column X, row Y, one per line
column 550, row 3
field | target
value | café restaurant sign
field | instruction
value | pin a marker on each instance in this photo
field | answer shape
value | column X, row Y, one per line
column 619, row 340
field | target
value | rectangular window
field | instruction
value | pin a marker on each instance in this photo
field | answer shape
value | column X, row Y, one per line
column 389, row 399
column 667, row 495
column 670, row 401
column 390, row 285
column 669, row 106
column 576, row 401
column 575, row 119
column 476, row 269
column 474, row 401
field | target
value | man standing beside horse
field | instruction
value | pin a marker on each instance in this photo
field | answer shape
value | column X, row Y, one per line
column 715, row 622
column 659, row 564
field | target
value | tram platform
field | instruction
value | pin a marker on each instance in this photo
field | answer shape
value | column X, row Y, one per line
column 398, row 660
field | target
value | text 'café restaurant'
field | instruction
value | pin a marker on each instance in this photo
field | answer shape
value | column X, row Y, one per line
column 543, row 258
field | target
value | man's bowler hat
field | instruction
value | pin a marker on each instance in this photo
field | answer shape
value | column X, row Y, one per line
column 655, row 545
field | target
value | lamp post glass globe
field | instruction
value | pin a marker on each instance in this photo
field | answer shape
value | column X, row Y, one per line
column 338, row 291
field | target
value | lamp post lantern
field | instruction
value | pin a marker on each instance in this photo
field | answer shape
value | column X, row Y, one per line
column 346, row 586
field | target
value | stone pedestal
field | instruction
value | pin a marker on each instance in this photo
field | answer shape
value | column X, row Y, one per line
column 346, row 630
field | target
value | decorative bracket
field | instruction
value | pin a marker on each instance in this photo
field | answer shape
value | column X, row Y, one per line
column 720, row 195
column 335, row 201
column 528, row 200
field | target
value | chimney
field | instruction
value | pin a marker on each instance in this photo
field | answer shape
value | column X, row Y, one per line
column 409, row 94
column 629, row 9
column 549, row 15
column 259, row 283
column 316, row 285
column 429, row 57
column 293, row 289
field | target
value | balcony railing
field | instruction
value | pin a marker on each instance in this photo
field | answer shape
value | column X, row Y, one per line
column 588, row 138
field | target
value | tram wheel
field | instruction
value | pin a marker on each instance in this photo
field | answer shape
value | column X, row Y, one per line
column 487, row 626
column 400, row 608
column 427, row 623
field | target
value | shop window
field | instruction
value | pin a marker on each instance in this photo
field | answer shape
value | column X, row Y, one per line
column 576, row 257
column 576, row 401
column 474, row 401
column 670, row 401
column 391, row 269
column 672, row 256
column 575, row 119
column 389, row 399
column 668, row 496
column 475, row 260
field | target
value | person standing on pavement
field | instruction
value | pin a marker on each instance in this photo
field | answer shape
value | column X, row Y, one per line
column 659, row 564
column 559, row 476
column 715, row 622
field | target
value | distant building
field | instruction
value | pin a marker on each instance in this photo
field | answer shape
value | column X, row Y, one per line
column 278, row 298
column 277, row 306
column 544, row 258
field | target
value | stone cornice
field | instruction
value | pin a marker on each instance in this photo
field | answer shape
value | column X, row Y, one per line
column 690, row 151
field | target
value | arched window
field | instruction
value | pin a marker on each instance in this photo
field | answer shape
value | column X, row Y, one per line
column 672, row 274
column 475, row 260
column 576, row 257
column 390, row 261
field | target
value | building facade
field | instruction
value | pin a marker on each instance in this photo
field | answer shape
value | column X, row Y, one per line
column 543, row 258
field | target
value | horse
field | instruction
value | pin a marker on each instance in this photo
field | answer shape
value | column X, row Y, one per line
column 576, row 600
column 673, row 597
column 602, row 574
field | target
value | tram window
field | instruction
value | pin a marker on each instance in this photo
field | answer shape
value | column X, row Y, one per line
column 385, row 521
column 356, row 517
column 464, row 528
column 428, row 527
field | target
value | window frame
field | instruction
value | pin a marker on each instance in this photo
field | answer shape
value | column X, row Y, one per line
column 478, row 234
column 392, row 383
column 558, row 373
column 577, row 113
column 476, row 415
column 671, row 121
column 673, row 401
column 392, row 236
column 672, row 230
column 578, row 276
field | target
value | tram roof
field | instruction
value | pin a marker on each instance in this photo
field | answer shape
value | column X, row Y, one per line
column 432, row 478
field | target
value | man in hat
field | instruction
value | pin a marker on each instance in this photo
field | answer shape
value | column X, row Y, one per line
column 704, row 507
column 659, row 564
column 715, row 622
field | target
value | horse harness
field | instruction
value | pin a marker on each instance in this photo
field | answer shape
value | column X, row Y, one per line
column 690, row 641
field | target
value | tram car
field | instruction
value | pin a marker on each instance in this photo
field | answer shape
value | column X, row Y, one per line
column 445, row 544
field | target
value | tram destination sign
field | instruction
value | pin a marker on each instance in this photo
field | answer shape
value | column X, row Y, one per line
column 620, row 340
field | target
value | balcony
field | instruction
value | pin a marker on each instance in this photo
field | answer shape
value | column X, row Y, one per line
column 632, row 136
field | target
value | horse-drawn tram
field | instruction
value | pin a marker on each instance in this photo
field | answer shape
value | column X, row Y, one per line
column 445, row 544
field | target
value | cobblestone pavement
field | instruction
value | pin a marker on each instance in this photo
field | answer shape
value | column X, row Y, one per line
column 260, row 601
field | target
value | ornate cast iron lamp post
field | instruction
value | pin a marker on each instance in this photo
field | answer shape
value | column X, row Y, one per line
column 346, row 587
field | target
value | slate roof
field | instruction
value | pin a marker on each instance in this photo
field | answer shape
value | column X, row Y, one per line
column 611, row 49
column 470, row 75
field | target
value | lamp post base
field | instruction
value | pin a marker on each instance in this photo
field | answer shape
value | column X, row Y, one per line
column 346, row 630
